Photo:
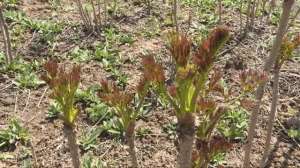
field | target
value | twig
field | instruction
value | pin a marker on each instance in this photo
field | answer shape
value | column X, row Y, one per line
column 273, row 110
column 33, row 154
column 6, row 37
column 175, row 6
column 287, row 6
column 27, row 101
column 7, row 86
column 38, row 105
column 16, row 102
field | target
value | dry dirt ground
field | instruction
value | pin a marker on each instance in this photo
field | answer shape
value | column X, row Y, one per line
column 156, row 148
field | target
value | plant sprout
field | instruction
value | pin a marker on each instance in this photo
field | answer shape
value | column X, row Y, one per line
column 190, row 80
column 64, row 85
column 126, row 108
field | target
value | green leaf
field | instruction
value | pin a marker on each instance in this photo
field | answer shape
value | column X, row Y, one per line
column 294, row 133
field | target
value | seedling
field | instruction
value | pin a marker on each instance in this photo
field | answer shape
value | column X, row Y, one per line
column 294, row 133
column 99, row 112
column 17, row 65
column 189, row 85
column 114, row 37
column 218, row 159
column 194, row 91
column 105, row 53
column 88, row 139
column 233, row 124
column 142, row 132
column 15, row 132
column 209, row 145
column 170, row 129
column 87, row 96
column 114, row 126
column 119, row 77
column 47, row 30
column 25, row 75
column 81, row 55
column 53, row 111
column 126, row 108
column 91, row 162
column 64, row 85
column 28, row 80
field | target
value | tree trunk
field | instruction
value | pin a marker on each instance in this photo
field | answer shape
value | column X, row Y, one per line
column 74, row 149
column 130, row 143
column 271, row 117
column 186, row 135
column 287, row 5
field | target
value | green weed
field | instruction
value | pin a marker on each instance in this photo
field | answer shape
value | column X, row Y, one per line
column 80, row 55
column 92, row 162
column 6, row 156
column 88, row 95
column 88, row 139
column 170, row 129
column 99, row 112
column 24, row 71
column 142, row 132
column 28, row 80
column 218, row 159
column 234, row 124
column 11, row 2
column 45, row 28
column 114, row 127
column 53, row 110
column 114, row 37
column 294, row 133
column 15, row 132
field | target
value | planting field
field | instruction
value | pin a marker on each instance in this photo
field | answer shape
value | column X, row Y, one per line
column 149, row 83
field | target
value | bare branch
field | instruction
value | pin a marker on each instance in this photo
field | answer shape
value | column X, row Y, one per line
column 7, row 44
column 287, row 6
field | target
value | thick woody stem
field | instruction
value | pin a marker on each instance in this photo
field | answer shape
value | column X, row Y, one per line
column 130, row 143
column 74, row 149
column 186, row 135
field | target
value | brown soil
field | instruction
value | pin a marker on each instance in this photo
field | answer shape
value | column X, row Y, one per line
column 155, row 149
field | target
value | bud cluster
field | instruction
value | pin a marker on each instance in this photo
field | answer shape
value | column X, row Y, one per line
column 63, row 85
